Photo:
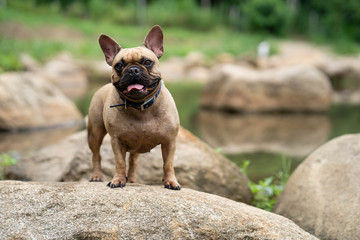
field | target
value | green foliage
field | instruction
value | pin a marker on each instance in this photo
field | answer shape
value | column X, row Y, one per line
column 266, row 191
column 333, row 18
column 6, row 159
column 219, row 150
column 244, row 167
column 266, row 15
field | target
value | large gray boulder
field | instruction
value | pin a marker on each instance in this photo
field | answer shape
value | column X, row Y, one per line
column 197, row 166
column 93, row 211
column 28, row 101
column 291, row 89
column 323, row 194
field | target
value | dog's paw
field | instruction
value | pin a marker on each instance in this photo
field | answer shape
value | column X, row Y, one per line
column 172, row 184
column 131, row 180
column 178, row 187
column 118, row 182
column 96, row 178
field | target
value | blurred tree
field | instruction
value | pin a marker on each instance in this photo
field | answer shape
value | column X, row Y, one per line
column 336, row 18
column 265, row 15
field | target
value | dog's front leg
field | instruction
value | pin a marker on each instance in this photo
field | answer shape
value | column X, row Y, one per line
column 119, row 179
column 168, row 152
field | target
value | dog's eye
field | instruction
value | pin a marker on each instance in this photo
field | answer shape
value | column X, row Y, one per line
column 119, row 67
column 148, row 63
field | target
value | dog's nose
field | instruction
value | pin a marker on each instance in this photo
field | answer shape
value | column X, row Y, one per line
column 134, row 70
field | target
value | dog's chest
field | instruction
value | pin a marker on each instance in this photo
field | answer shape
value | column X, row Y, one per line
column 141, row 139
column 139, row 135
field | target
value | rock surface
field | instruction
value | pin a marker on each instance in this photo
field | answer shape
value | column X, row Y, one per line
column 344, row 74
column 192, row 67
column 97, row 71
column 295, row 135
column 92, row 211
column 293, row 89
column 67, row 75
column 341, row 68
column 291, row 53
column 197, row 166
column 28, row 101
column 173, row 69
column 323, row 194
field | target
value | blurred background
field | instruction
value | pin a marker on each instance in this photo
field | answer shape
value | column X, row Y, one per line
column 266, row 81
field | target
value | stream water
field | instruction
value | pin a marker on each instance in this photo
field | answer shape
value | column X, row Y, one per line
column 268, row 141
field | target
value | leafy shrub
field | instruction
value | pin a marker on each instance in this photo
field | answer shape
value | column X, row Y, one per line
column 266, row 192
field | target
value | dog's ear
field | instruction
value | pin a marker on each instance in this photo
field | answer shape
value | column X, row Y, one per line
column 154, row 41
column 109, row 47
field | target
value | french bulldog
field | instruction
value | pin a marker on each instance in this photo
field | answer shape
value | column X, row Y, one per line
column 135, row 109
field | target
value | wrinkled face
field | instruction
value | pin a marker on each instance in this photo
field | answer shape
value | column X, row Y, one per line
column 136, row 72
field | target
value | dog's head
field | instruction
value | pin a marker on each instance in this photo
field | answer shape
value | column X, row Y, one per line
column 135, row 70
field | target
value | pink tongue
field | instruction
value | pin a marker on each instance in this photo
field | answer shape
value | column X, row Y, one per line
column 135, row 86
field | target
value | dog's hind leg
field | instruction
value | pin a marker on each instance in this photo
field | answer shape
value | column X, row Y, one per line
column 133, row 161
column 168, row 152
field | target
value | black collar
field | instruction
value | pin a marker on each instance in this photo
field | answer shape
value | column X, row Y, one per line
column 139, row 106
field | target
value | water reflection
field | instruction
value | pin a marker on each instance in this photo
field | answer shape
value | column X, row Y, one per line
column 28, row 141
column 294, row 135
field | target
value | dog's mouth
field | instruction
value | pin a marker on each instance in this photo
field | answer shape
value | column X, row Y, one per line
column 135, row 88
column 139, row 88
